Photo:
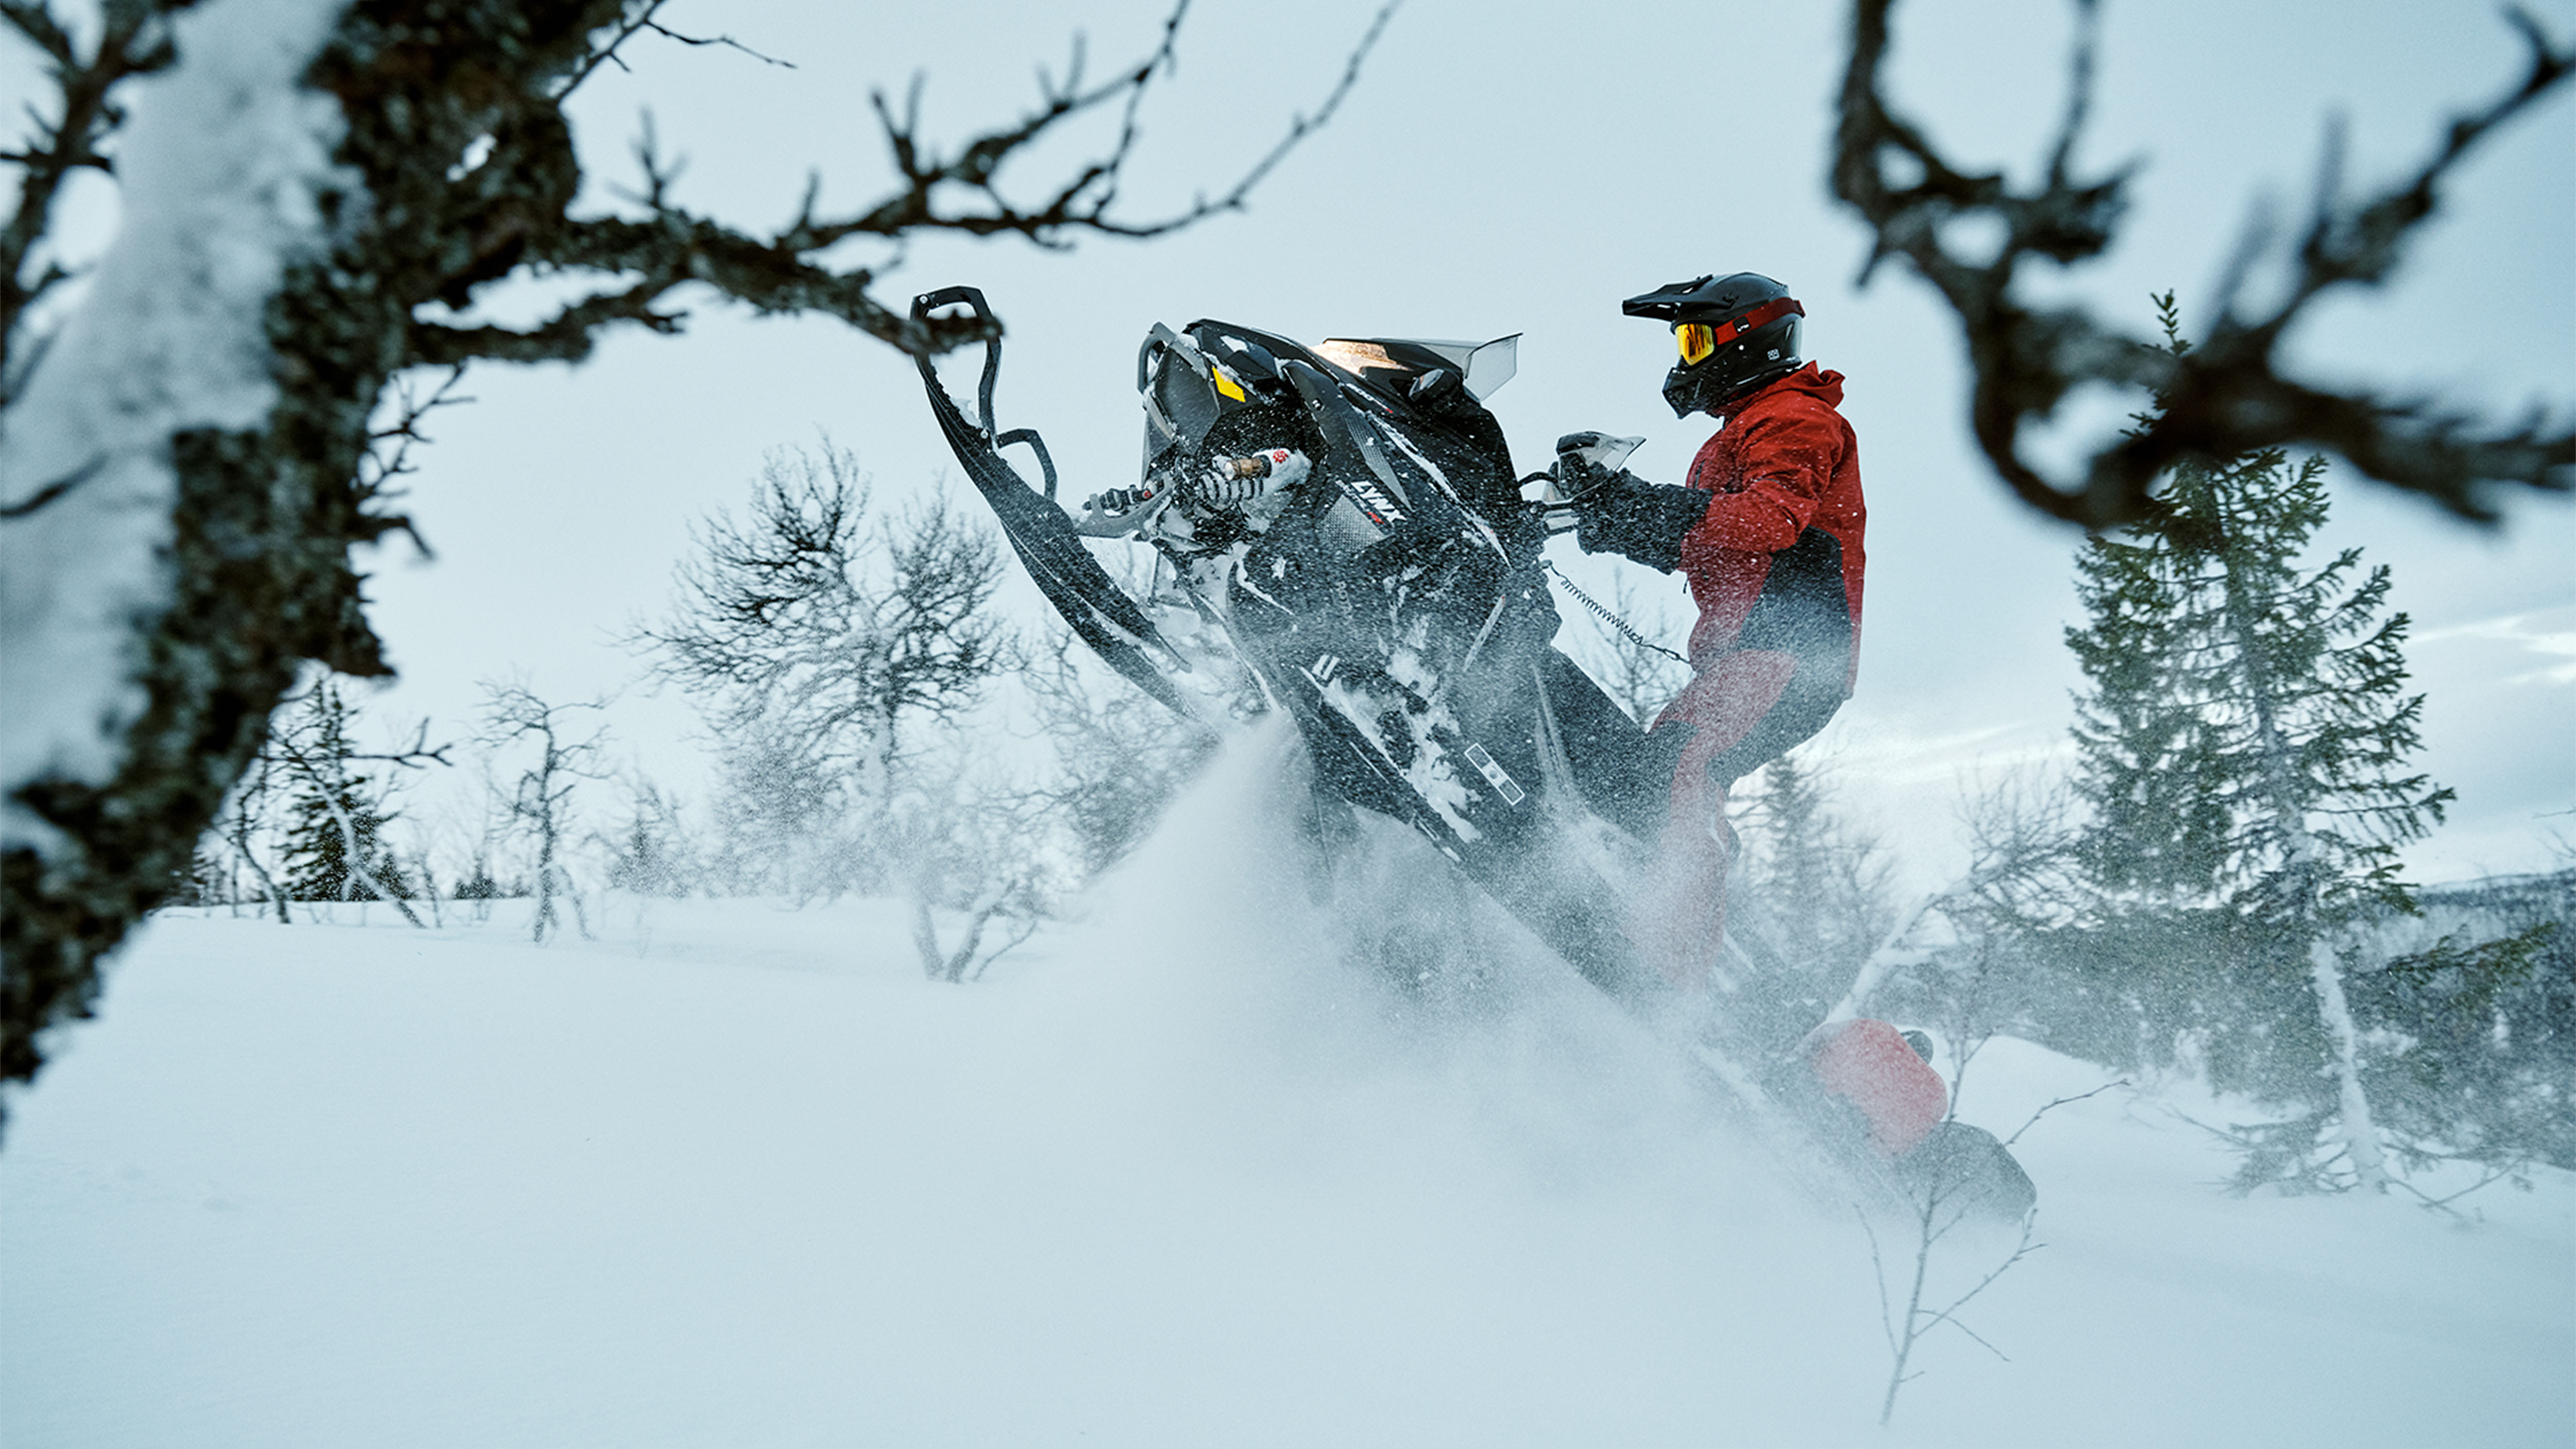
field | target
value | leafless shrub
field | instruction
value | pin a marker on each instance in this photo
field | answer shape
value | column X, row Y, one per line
column 539, row 798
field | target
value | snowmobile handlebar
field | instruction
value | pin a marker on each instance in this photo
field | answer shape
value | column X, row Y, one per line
column 1585, row 463
column 1553, row 512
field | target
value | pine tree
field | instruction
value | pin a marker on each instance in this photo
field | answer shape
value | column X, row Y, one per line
column 335, row 815
column 478, row 889
column 2244, row 749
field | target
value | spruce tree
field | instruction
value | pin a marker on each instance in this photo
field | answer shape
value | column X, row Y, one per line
column 2244, row 746
column 335, row 815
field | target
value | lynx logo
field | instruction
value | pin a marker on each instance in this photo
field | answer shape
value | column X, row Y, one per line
column 1320, row 673
column 1495, row 773
column 1372, row 500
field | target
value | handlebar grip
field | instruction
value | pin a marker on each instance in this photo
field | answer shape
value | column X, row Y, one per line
column 929, row 302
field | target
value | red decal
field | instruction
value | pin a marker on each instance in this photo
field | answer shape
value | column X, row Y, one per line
column 1767, row 312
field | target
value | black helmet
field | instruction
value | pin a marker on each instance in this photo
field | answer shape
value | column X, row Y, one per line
column 1736, row 334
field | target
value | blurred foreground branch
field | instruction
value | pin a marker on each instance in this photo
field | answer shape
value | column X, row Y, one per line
column 2229, row 396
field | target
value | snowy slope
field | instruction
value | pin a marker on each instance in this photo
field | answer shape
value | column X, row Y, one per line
column 735, row 1175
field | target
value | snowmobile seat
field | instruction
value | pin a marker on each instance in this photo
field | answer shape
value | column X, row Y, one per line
column 1963, row 1169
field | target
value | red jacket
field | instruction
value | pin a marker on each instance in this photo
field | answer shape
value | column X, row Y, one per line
column 1785, row 529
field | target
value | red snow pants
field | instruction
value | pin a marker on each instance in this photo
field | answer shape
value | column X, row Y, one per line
column 1677, row 918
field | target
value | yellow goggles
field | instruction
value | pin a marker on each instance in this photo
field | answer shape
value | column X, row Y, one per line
column 1698, row 339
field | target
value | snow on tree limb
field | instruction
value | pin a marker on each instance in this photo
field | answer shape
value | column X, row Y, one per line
column 221, row 161
column 2228, row 396
column 184, row 463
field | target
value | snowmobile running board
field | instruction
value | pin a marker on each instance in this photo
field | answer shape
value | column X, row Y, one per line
column 1041, row 533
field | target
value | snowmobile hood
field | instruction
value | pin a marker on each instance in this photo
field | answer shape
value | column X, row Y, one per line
column 1192, row 379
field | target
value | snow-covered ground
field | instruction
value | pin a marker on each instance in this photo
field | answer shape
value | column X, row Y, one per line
column 732, row 1174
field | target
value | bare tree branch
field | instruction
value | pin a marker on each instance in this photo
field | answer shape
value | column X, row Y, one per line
column 1905, row 1331
column 2226, row 398
column 605, row 52
column 2049, row 1107
column 959, row 191
column 725, row 41
column 388, row 458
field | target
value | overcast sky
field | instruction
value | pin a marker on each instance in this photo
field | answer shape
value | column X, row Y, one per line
column 1520, row 168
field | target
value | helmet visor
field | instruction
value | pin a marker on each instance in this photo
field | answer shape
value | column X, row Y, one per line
column 1697, row 340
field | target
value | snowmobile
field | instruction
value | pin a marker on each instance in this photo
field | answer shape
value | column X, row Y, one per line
column 1341, row 523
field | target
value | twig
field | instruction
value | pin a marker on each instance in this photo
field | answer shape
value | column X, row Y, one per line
column 1903, row 1333
column 2443, row 1204
column 608, row 52
column 2060, row 1102
column 54, row 490
column 2022, row 1249
column 1299, row 128
column 1878, row 1267
column 658, row 28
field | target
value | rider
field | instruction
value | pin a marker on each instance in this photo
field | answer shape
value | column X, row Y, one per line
column 1767, row 529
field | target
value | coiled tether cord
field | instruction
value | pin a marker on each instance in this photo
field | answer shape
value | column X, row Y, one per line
column 1625, row 629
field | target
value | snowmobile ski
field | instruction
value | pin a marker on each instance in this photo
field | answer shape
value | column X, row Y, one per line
column 1101, row 613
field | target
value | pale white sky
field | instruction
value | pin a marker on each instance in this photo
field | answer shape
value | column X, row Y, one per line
column 1520, row 168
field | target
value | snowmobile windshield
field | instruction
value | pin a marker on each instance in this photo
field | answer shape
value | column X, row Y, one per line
column 1492, row 365
column 1394, row 364
column 1179, row 392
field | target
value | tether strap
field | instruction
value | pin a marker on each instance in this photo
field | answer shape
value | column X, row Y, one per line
column 1613, row 620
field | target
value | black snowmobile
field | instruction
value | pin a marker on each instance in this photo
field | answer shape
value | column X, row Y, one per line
column 1341, row 521
column 1390, row 597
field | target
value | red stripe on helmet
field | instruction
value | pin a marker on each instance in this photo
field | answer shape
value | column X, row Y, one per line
column 1764, row 315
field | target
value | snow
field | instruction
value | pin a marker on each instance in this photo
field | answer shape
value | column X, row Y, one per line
column 219, row 163
column 1174, row 1174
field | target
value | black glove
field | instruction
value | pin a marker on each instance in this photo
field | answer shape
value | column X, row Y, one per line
column 1618, row 512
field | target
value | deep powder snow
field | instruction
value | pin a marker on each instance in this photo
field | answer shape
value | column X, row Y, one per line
column 1175, row 1174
